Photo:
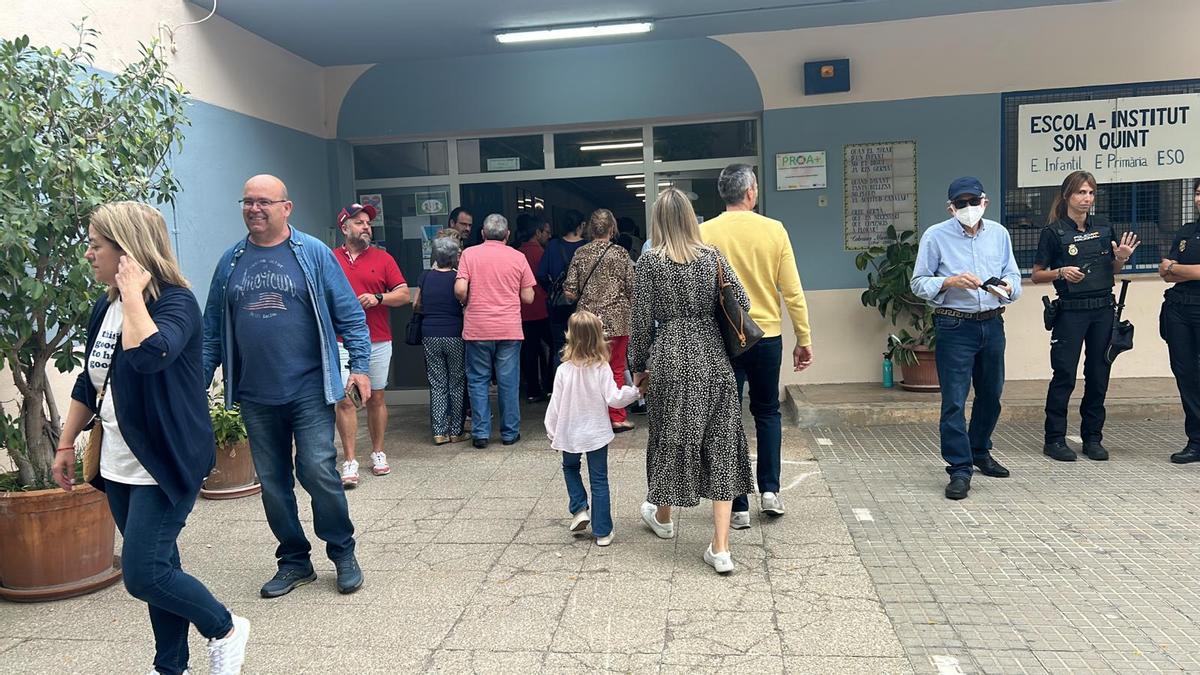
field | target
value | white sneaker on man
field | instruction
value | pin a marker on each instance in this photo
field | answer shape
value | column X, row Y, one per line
column 721, row 562
column 225, row 655
column 772, row 504
column 581, row 521
column 662, row 530
column 379, row 465
column 350, row 474
column 740, row 520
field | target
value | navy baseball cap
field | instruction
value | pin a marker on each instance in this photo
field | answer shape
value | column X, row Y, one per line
column 353, row 210
column 967, row 185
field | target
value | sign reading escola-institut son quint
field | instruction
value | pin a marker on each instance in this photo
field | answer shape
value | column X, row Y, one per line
column 1119, row 140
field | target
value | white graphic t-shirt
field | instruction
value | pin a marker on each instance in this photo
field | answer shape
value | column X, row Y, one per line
column 117, row 462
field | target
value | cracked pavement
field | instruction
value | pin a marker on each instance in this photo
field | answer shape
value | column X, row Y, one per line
column 470, row 568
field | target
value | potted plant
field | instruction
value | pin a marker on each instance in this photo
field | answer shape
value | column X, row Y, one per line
column 233, row 476
column 74, row 139
column 889, row 290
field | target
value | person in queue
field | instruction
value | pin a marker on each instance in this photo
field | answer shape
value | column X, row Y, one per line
column 1079, row 253
column 461, row 222
column 493, row 281
column 532, row 234
column 600, row 280
column 955, row 260
column 277, row 302
column 379, row 285
column 551, row 274
column 1179, row 325
column 441, row 338
column 143, row 382
column 697, row 447
column 760, row 251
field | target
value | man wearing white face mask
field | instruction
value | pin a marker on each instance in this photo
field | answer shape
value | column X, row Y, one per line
column 966, row 271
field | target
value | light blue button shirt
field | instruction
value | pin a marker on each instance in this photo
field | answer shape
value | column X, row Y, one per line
column 946, row 250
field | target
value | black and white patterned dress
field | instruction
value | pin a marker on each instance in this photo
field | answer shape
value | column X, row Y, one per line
column 697, row 447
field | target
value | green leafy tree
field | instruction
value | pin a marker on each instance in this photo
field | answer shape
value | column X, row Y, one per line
column 71, row 138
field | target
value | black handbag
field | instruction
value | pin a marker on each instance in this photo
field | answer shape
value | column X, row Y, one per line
column 737, row 328
column 557, row 297
column 413, row 334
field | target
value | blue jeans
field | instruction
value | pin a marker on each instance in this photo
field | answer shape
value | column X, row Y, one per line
column 502, row 358
column 597, row 461
column 150, row 526
column 969, row 353
column 759, row 366
column 272, row 428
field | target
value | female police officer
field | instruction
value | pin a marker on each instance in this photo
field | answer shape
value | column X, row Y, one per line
column 1179, row 324
column 1080, row 253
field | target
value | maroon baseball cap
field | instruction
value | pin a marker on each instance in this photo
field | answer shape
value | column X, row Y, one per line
column 354, row 209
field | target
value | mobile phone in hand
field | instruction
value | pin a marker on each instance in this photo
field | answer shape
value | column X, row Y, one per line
column 355, row 397
column 996, row 285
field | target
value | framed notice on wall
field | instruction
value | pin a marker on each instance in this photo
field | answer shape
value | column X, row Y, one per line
column 880, row 184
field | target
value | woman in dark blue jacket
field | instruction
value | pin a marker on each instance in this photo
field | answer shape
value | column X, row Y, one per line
column 142, row 381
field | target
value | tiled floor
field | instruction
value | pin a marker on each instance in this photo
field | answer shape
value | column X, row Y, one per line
column 1080, row 567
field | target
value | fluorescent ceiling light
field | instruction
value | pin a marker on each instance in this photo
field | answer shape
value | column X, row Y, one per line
column 630, row 175
column 640, row 194
column 639, row 186
column 574, row 32
column 627, row 161
column 624, row 145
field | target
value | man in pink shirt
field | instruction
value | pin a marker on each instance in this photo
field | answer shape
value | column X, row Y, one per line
column 494, row 280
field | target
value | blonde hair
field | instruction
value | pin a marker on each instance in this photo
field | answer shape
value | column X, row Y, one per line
column 601, row 225
column 586, row 345
column 673, row 227
column 141, row 233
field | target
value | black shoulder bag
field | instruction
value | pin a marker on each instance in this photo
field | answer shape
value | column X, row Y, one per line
column 558, row 285
column 413, row 334
column 737, row 328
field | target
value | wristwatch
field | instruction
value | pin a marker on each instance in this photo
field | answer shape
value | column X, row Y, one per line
column 1060, row 273
column 379, row 298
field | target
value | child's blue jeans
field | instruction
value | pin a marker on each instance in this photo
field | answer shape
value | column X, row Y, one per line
column 597, row 461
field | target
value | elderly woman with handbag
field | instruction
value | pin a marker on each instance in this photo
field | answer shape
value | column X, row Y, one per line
column 441, row 326
column 697, row 447
column 600, row 280
column 151, row 443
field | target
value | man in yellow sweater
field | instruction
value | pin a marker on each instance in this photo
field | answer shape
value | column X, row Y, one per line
column 760, row 252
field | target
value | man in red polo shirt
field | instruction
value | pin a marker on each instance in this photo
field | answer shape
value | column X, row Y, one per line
column 378, row 283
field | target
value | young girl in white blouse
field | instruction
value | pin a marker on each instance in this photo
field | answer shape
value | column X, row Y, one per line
column 577, row 421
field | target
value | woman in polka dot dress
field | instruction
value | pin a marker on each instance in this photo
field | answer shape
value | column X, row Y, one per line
column 697, row 448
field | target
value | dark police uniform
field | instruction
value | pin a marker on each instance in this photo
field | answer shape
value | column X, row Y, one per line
column 1085, row 317
column 1179, row 324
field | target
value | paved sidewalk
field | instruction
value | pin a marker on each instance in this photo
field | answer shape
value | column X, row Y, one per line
column 1064, row 567
column 470, row 568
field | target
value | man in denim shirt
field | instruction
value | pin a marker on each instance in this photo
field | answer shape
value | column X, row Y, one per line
column 955, row 261
column 277, row 303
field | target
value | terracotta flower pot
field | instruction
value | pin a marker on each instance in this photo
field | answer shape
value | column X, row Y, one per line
column 234, row 475
column 921, row 376
column 56, row 544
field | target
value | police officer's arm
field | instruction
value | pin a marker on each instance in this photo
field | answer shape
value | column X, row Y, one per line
column 1172, row 271
column 1123, row 251
column 1049, row 253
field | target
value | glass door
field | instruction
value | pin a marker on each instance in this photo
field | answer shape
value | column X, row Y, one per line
column 408, row 221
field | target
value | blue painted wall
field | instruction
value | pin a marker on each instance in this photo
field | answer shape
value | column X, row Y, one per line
column 955, row 136
column 221, row 150
column 582, row 85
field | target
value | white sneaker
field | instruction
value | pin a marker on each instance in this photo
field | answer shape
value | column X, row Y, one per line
column 772, row 504
column 740, row 520
column 604, row 541
column 225, row 656
column 581, row 521
column 663, row 530
column 721, row 562
column 350, row 474
column 379, row 465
